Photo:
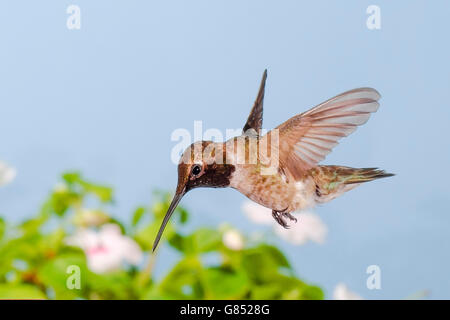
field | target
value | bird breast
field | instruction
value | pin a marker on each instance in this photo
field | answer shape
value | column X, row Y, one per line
column 272, row 191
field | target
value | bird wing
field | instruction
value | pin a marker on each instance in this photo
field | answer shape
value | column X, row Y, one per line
column 254, row 120
column 305, row 139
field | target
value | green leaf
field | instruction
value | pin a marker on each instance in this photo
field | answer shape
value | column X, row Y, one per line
column 275, row 254
column 105, row 194
column 286, row 288
column 20, row 291
column 200, row 241
column 32, row 226
column 159, row 209
column 184, row 215
column 313, row 293
column 221, row 283
column 56, row 273
column 20, row 248
column 146, row 235
column 71, row 177
column 113, row 285
column 177, row 241
column 138, row 213
column 2, row 227
column 263, row 262
column 183, row 281
column 61, row 200
column 35, row 258
column 267, row 291
column 205, row 240
column 153, row 293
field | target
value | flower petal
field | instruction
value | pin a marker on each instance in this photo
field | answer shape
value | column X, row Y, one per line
column 257, row 213
column 309, row 227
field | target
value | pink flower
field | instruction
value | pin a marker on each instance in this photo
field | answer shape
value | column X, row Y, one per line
column 107, row 249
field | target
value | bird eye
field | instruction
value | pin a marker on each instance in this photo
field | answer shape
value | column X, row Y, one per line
column 196, row 169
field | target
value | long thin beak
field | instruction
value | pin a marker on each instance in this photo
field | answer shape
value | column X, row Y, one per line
column 176, row 199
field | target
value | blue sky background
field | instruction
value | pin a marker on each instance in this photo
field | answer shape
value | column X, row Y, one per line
column 105, row 100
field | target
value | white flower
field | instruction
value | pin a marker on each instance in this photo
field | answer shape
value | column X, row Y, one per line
column 7, row 174
column 257, row 213
column 233, row 240
column 106, row 249
column 341, row 292
column 308, row 227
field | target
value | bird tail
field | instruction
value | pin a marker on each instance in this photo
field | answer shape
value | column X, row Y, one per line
column 332, row 181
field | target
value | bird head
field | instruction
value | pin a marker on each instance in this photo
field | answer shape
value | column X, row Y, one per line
column 201, row 165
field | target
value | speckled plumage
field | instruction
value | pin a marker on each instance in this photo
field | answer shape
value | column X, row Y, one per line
column 280, row 170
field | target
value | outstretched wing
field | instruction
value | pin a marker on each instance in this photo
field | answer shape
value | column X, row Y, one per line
column 255, row 118
column 305, row 139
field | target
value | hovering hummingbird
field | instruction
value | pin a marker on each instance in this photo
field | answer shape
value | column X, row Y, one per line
column 290, row 179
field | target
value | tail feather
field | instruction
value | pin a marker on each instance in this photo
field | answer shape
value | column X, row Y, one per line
column 332, row 181
column 366, row 174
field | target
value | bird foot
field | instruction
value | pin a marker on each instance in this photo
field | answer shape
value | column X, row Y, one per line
column 281, row 217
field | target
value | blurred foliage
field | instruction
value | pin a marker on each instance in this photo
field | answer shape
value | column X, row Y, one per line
column 36, row 257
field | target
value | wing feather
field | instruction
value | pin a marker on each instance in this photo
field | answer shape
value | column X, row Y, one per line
column 255, row 118
column 305, row 139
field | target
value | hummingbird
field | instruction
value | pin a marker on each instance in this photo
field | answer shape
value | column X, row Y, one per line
column 289, row 177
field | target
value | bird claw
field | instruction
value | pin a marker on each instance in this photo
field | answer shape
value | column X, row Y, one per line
column 281, row 216
column 289, row 216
